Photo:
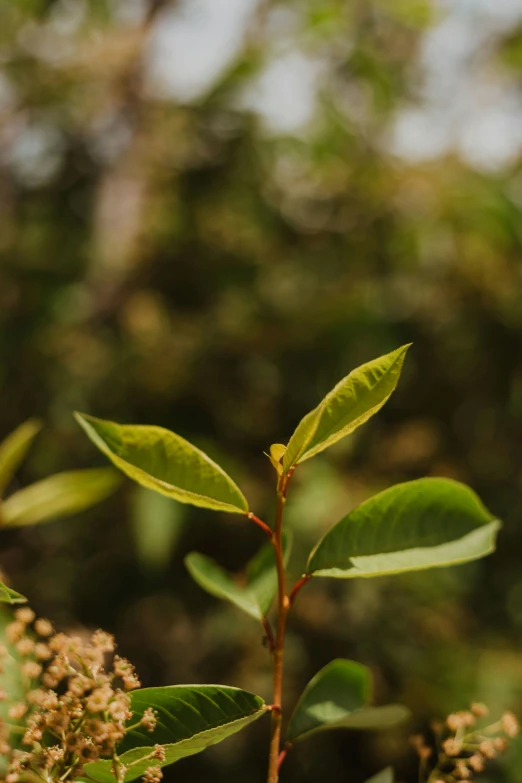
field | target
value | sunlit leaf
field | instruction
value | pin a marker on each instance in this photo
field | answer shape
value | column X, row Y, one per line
column 351, row 402
column 190, row 719
column 255, row 595
column 8, row 596
column 277, row 451
column 58, row 496
column 14, row 448
column 165, row 462
column 419, row 524
column 339, row 697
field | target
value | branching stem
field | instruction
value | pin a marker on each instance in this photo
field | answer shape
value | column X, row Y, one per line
column 298, row 585
column 283, row 605
column 269, row 532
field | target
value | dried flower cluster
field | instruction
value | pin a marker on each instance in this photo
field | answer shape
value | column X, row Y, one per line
column 75, row 710
column 462, row 745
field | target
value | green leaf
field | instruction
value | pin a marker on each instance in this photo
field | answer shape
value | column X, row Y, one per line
column 14, row 448
column 255, row 596
column 261, row 573
column 339, row 697
column 8, row 596
column 190, row 718
column 386, row 775
column 350, row 403
column 165, row 462
column 57, row 496
column 420, row 524
column 216, row 581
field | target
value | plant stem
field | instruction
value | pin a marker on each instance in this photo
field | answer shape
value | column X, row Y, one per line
column 278, row 651
column 301, row 583
column 261, row 524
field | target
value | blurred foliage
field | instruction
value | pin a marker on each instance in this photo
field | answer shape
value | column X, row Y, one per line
column 178, row 263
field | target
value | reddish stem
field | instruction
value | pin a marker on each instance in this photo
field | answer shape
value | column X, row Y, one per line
column 301, row 583
column 282, row 757
column 269, row 633
column 262, row 525
column 278, row 652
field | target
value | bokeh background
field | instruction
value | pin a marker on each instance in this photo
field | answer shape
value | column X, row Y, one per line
column 212, row 210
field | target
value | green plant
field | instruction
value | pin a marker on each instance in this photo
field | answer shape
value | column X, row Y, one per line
column 51, row 498
column 420, row 524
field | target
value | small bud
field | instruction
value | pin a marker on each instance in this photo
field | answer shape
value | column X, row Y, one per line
column 476, row 762
column 479, row 710
column 25, row 615
column 43, row 627
column 451, row 747
column 487, row 748
column 510, row 724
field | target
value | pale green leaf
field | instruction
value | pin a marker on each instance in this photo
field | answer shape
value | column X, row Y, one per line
column 258, row 588
column 9, row 596
column 420, row 524
column 216, row 581
column 14, row 448
column 339, row 697
column 349, row 404
column 58, row 496
column 165, row 462
column 190, row 719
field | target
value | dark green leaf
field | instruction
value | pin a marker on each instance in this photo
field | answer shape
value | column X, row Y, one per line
column 419, row 524
column 351, row 402
column 165, row 462
column 339, row 697
column 190, row 718
column 13, row 449
column 57, row 496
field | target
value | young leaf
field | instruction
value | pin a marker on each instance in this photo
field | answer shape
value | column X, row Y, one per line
column 277, row 451
column 8, row 596
column 339, row 697
column 57, row 496
column 256, row 595
column 420, row 524
column 165, row 462
column 350, row 403
column 190, row 718
column 13, row 449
